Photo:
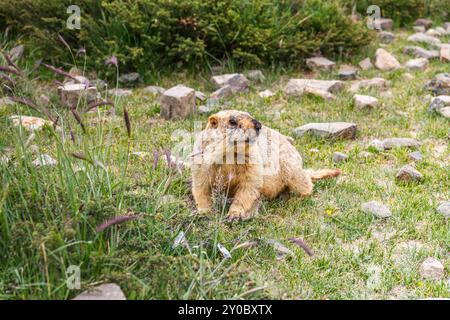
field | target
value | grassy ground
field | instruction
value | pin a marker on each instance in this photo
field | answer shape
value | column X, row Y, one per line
column 48, row 216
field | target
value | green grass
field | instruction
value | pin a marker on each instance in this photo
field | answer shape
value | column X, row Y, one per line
column 48, row 216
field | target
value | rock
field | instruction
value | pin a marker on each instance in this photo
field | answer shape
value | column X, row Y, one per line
column 439, row 102
column 17, row 52
column 177, row 102
column 347, row 72
column 320, row 93
column 408, row 173
column 421, row 52
column 297, row 86
column 72, row 94
column 390, row 143
column 385, row 61
column 445, row 53
column 383, row 24
column 439, row 85
column 204, row 109
column 415, row 156
column 431, row 269
column 344, row 130
column 445, row 112
column 433, row 33
column 255, row 75
column 129, row 77
column 419, row 29
column 387, row 94
column 222, row 93
column 447, row 26
column 362, row 101
column 365, row 64
column 377, row 145
column 444, row 209
column 45, row 160
column 320, row 63
column 417, row 64
column 212, row 102
column 154, row 90
column 377, row 209
column 426, row 23
column 118, row 92
column 200, row 95
column 266, row 94
column 422, row 37
column 235, row 80
column 442, row 31
column 386, row 37
column 107, row 291
column 339, row 157
column 377, row 83
column 99, row 84
column 30, row 123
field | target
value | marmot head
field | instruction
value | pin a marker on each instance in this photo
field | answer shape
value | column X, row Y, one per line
column 236, row 125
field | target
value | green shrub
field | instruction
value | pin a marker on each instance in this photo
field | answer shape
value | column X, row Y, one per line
column 153, row 34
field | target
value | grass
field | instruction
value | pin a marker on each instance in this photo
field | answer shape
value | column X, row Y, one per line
column 48, row 216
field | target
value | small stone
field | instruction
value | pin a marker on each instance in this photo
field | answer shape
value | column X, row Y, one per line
column 385, row 61
column 204, row 109
column 390, row 143
column 383, row 24
column 72, row 93
column 426, row 23
column 212, row 102
column 156, row 90
column 362, row 101
column 320, row 63
column 99, row 84
column 445, row 112
column 415, row 156
column 222, row 93
column 377, row 209
column 377, row 145
column 255, row 75
column 432, row 269
column 422, row 37
column 439, row 85
column 129, row 77
column 386, row 37
column 235, row 80
column 344, row 130
column 30, row 123
column 177, row 102
column 444, row 209
column 417, row 64
column 445, row 53
column 339, row 157
column 376, row 83
column 419, row 29
column 439, row 102
column 442, row 31
column 297, row 87
column 347, row 72
column 118, row 92
column 44, row 160
column 408, row 173
column 433, row 33
column 107, row 291
column 421, row 52
column 17, row 52
column 200, row 95
column 365, row 64
column 320, row 93
column 266, row 94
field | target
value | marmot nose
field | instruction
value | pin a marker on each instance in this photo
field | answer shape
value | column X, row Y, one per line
column 257, row 125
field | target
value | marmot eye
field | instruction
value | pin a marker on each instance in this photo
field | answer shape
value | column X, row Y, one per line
column 233, row 122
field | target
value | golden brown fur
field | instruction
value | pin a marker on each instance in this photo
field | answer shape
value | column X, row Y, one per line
column 252, row 160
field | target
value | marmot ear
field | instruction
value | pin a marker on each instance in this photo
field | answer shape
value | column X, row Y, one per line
column 212, row 122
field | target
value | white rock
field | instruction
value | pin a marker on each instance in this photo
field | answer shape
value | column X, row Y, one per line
column 377, row 145
column 255, row 75
column 297, row 86
column 177, row 102
column 365, row 64
column 339, row 157
column 30, row 123
column 118, row 92
column 445, row 112
column 422, row 37
column 266, row 94
column 385, row 61
column 377, row 209
column 362, row 101
column 236, row 80
column 71, row 93
column 417, row 64
column 377, row 83
column 421, row 52
column 44, row 160
column 344, row 130
column 419, row 29
column 154, row 90
column 432, row 269
column 445, row 53
column 433, row 33
column 444, row 209
column 320, row 63
column 408, row 173
column 390, row 143
column 107, row 291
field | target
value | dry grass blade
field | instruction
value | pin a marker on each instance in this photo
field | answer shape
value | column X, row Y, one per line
column 126, row 117
column 302, row 245
column 10, row 62
column 64, row 42
column 10, row 70
column 81, row 156
column 26, row 102
column 116, row 220
column 78, row 118
column 59, row 71
column 96, row 104
column 8, row 79
column 72, row 135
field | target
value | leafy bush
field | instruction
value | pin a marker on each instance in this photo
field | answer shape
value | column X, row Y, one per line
column 152, row 34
